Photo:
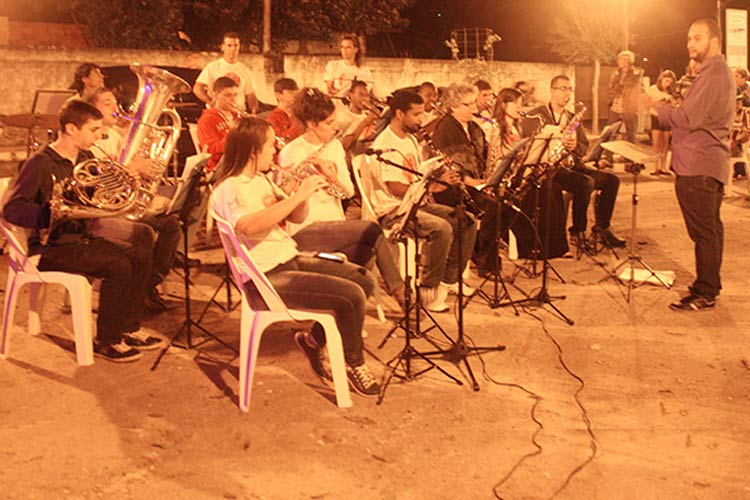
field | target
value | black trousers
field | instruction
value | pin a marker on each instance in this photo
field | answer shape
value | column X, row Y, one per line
column 483, row 205
column 583, row 181
column 124, row 273
column 700, row 201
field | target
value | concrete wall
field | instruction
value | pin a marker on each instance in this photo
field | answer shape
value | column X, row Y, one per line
column 27, row 70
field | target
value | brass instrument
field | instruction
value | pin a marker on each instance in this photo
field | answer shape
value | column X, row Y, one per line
column 304, row 169
column 99, row 188
column 146, row 138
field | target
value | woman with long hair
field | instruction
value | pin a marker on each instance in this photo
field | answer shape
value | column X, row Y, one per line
column 256, row 208
column 505, row 132
column 661, row 91
column 340, row 73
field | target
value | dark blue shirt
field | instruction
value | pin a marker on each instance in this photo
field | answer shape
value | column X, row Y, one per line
column 701, row 126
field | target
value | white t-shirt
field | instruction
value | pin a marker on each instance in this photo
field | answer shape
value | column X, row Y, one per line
column 657, row 95
column 218, row 68
column 241, row 195
column 383, row 201
column 342, row 75
column 322, row 206
column 110, row 146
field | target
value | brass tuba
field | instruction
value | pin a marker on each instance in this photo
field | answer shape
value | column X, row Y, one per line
column 99, row 188
column 147, row 138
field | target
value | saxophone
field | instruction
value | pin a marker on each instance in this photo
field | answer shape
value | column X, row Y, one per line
column 559, row 155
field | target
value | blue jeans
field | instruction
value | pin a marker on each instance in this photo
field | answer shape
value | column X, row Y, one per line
column 361, row 241
column 339, row 287
column 700, row 201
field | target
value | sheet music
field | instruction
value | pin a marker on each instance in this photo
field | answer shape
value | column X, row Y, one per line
column 637, row 153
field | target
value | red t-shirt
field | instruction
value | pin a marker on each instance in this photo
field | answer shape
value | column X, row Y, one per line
column 213, row 127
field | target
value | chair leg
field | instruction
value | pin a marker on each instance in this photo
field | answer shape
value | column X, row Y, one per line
column 249, row 344
column 9, row 309
column 80, row 300
column 338, row 364
column 36, row 304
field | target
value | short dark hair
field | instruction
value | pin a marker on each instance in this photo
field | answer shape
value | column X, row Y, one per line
column 714, row 30
column 403, row 100
column 427, row 85
column 230, row 34
column 93, row 98
column 519, row 84
column 482, row 85
column 557, row 79
column 312, row 105
column 224, row 82
column 358, row 83
column 283, row 84
column 82, row 71
column 78, row 113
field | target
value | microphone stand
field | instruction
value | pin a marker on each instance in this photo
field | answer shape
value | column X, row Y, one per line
column 405, row 356
column 460, row 350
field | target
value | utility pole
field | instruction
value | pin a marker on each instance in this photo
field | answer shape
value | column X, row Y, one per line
column 266, row 26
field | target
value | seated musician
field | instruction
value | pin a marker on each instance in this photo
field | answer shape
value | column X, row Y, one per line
column 432, row 113
column 158, row 231
column 437, row 223
column 216, row 121
column 356, row 120
column 580, row 180
column 285, row 125
column 485, row 105
column 549, row 222
column 461, row 139
column 88, row 77
column 71, row 248
column 325, row 227
column 255, row 207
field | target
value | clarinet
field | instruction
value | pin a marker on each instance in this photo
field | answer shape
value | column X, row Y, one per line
column 449, row 164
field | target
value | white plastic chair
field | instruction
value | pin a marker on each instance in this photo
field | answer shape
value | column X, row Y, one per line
column 365, row 176
column 255, row 322
column 22, row 270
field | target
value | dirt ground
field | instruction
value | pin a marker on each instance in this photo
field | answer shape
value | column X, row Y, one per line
column 633, row 401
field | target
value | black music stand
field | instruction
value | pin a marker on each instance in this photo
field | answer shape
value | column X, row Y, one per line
column 410, row 205
column 542, row 180
column 496, row 181
column 185, row 200
column 638, row 157
column 530, row 174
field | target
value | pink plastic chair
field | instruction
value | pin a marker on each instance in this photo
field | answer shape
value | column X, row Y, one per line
column 255, row 322
column 22, row 270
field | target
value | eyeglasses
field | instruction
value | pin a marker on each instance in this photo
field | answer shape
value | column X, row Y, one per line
column 564, row 88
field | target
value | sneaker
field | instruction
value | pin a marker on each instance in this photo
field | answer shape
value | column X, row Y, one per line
column 314, row 354
column 142, row 341
column 155, row 303
column 453, row 288
column 362, row 381
column 693, row 303
column 433, row 298
column 118, row 353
